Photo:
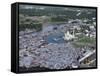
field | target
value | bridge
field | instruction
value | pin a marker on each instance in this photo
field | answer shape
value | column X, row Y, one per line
column 89, row 58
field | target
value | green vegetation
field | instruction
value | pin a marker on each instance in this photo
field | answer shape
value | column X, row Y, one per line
column 53, row 11
column 28, row 23
column 59, row 19
column 52, row 14
column 36, row 26
column 84, row 41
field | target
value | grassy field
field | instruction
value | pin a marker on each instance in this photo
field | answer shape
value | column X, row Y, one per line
column 84, row 41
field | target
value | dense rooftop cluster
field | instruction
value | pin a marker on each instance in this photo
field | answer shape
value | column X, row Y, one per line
column 36, row 52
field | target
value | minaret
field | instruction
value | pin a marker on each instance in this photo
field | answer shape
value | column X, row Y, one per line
column 73, row 33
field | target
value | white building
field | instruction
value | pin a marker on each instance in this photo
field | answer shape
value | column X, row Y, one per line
column 69, row 36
